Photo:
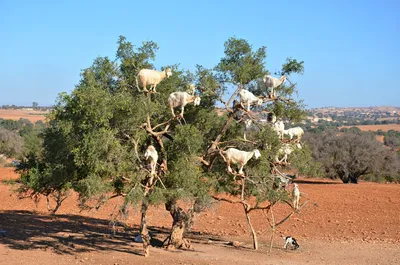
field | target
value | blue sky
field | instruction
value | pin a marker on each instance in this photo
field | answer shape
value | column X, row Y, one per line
column 350, row 48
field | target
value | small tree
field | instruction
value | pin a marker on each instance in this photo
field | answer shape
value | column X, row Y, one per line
column 11, row 143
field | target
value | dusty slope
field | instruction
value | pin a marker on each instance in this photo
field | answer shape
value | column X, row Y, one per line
column 346, row 224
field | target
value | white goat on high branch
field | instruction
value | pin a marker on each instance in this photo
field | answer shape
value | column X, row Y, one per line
column 296, row 131
column 249, row 98
column 151, row 156
column 180, row 99
column 279, row 128
column 285, row 150
column 152, row 78
column 233, row 155
column 271, row 83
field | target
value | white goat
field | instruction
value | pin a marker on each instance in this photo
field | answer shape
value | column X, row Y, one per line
column 295, row 196
column 248, row 98
column 285, row 150
column 272, row 82
column 296, row 131
column 152, row 156
column 180, row 99
column 279, row 127
column 236, row 156
column 191, row 89
column 152, row 78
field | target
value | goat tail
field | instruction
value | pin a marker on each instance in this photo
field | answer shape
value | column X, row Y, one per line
column 221, row 152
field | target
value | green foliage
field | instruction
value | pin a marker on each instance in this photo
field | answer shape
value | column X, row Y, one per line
column 96, row 137
column 241, row 65
column 304, row 163
column 292, row 66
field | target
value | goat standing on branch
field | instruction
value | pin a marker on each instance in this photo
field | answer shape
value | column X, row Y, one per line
column 152, row 78
column 296, row 131
column 152, row 156
column 248, row 98
column 271, row 83
column 180, row 99
column 279, row 128
column 233, row 155
column 285, row 150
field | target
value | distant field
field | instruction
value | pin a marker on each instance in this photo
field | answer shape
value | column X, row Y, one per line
column 31, row 115
column 374, row 128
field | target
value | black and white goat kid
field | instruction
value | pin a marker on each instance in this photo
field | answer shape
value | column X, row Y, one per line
column 291, row 241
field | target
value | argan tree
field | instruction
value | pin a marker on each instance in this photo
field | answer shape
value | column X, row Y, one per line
column 97, row 136
column 350, row 156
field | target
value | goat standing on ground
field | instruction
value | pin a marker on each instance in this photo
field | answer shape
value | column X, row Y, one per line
column 236, row 156
column 271, row 83
column 180, row 99
column 152, row 78
column 296, row 196
column 248, row 98
column 152, row 156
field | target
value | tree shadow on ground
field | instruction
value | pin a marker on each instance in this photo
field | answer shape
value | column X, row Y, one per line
column 313, row 181
column 68, row 234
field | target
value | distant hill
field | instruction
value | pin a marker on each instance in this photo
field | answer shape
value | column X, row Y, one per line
column 357, row 109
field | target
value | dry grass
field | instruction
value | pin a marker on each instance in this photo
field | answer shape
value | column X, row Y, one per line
column 374, row 128
column 16, row 114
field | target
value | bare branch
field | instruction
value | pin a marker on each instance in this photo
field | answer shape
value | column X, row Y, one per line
column 225, row 200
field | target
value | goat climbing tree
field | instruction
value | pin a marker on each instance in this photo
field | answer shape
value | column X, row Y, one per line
column 97, row 135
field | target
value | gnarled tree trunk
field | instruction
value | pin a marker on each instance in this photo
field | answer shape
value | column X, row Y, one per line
column 181, row 223
column 144, row 232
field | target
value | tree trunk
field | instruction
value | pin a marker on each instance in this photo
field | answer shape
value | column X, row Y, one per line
column 179, row 225
column 253, row 232
column 353, row 178
column 144, row 233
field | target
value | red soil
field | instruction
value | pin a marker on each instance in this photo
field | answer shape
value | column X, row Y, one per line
column 32, row 115
column 341, row 224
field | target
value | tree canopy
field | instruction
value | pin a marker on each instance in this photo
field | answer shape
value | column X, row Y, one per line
column 352, row 155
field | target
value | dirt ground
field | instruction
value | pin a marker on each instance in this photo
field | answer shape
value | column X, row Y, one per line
column 32, row 115
column 341, row 224
column 374, row 128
